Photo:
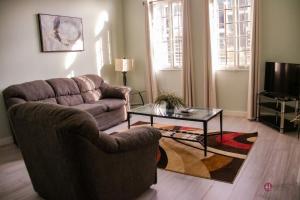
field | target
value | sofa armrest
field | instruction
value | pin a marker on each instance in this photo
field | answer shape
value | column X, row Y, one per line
column 120, row 92
column 132, row 139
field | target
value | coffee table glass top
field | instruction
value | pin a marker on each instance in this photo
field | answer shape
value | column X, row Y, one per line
column 195, row 114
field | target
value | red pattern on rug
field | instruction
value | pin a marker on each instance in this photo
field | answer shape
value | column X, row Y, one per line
column 228, row 139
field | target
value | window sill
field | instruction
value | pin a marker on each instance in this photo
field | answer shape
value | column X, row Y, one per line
column 235, row 69
column 170, row 69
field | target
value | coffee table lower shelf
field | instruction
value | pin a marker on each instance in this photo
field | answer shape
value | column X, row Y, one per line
column 201, row 138
column 197, row 137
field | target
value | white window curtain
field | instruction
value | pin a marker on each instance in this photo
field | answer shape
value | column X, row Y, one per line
column 188, row 65
column 151, row 78
column 254, row 70
column 210, row 94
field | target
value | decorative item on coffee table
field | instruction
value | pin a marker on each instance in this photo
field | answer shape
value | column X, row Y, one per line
column 171, row 100
column 296, row 120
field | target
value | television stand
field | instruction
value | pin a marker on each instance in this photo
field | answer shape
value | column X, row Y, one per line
column 277, row 111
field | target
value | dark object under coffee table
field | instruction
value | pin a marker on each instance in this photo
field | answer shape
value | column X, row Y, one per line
column 195, row 114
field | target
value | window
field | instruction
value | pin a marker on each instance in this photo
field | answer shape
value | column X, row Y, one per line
column 232, row 20
column 166, row 34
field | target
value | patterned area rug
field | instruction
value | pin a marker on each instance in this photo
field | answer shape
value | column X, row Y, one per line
column 223, row 161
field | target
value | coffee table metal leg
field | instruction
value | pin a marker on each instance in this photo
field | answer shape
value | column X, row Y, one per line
column 128, row 120
column 221, row 125
column 205, row 138
column 151, row 120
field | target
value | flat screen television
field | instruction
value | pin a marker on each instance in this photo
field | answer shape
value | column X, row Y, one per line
column 282, row 79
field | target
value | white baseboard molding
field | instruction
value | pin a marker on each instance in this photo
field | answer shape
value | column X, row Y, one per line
column 235, row 113
column 6, row 140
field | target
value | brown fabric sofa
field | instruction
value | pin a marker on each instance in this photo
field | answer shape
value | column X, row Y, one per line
column 108, row 104
column 67, row 157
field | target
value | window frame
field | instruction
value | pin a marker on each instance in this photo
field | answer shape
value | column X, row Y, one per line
column 171, row 41
column 236, row 10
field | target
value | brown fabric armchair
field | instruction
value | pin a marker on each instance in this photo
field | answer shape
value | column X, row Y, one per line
column 68, row 158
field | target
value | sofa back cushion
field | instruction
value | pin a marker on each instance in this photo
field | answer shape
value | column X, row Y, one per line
column 30, row 91
column 66, row 90
column 89, row 86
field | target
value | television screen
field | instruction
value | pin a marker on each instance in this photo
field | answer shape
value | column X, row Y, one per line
column 282, row 79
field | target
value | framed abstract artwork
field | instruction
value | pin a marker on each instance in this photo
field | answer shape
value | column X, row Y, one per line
column 60, row 33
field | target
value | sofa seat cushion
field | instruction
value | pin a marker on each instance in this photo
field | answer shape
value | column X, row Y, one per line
column 93, row 109
column 112, row 104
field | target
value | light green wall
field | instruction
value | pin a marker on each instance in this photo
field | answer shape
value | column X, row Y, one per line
column 20, row 56
column 280, row 31
column 134, row 41
column 232, row 89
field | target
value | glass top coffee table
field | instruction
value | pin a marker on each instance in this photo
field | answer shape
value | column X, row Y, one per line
column 194, row 114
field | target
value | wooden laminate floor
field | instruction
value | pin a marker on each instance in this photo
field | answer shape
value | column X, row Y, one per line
column 275, row 159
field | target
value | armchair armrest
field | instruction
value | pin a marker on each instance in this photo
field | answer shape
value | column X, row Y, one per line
column 132, row 139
